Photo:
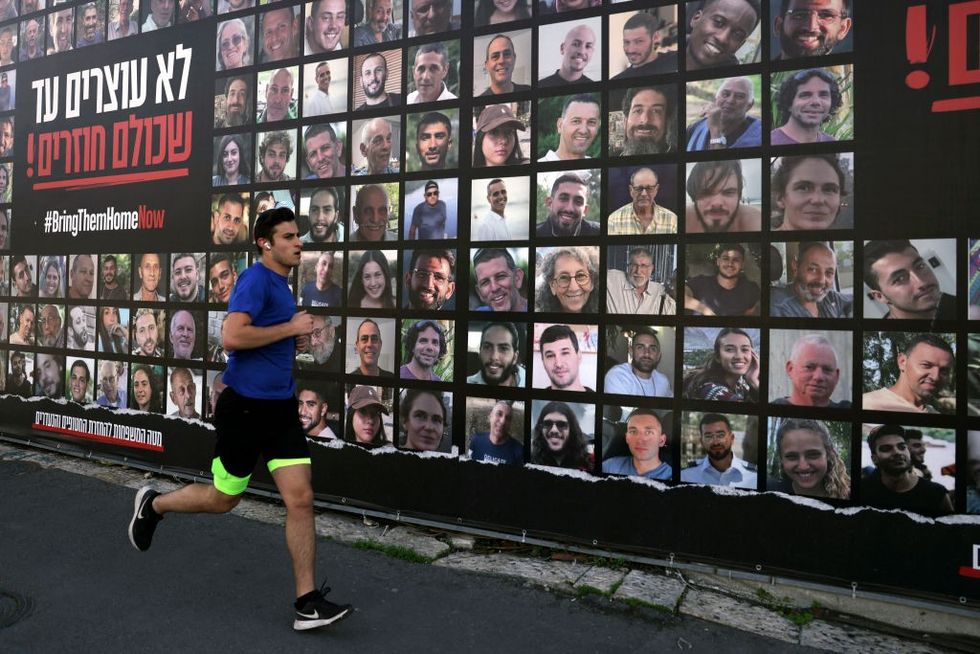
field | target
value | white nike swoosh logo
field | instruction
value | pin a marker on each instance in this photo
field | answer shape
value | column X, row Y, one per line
column 312, row 616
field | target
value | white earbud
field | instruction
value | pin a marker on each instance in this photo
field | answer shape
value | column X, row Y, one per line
column 268, row 247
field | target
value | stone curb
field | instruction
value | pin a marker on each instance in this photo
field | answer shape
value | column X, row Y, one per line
column 731, row 602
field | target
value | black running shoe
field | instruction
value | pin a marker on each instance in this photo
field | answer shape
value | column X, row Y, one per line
column 318, row 612
column 145, row 519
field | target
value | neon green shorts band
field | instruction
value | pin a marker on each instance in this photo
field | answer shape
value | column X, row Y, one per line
column 226, row 482
column 275, row 464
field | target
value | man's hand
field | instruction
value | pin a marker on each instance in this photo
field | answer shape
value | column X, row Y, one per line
column 712, row 112
column 301, row 324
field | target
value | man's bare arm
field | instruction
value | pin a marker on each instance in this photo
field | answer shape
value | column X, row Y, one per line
column 238, row 332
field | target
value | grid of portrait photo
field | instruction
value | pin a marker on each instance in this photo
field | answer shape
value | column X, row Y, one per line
column 609, row 237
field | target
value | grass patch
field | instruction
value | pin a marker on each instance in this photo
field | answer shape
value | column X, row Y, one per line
column 583, row 590
column 395, row 551
column 640, row 604
column 798, row 616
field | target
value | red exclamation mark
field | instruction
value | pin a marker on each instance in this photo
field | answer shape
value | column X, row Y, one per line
column 30, row 154
column 918, row 45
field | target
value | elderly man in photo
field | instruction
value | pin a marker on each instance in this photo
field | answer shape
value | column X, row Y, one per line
column 183, row 335
column 724, row 122
column 811, row 293
column 32, row 48
column 925, row 367
column 183, row 393
column 577, row 126
column 371, row 213
column 813, row 374
column 500, row 357
column 433, row 138
column 432, row 17
column 50, row 332
column 109, row 387
column 568, row 206
column 429, row 74
column 649, row 123
column 718, row 29
column 715, row 190
column 634, row 292
column 161, row 15
column 645, row 437
column 639, row 376
column 643, row 215
column 376, row 146
column 322, row 345
column 149, row 275
column 378, row 26
column 577, row 49
column 125, row 23
column 326, row 25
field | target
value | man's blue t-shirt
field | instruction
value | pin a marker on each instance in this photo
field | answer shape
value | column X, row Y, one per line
column 265, row 372
column 483, row 449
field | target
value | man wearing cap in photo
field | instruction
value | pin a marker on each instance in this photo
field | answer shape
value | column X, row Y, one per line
column 429, row 217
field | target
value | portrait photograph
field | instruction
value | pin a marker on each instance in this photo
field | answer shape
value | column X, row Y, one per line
column 277, row 95
column 723, row 196
column 381, row 23
column 61, row 28
column 432, row 140
column 427, row 349
column 814, row 105
column 320, row 406
column 563, row 435
column 185, row 392
column 709, row 47
column 641, row 278
column 371, row 279
column 20, row 372
column 566, row 279
column 267, row 199
column 90, row 24
column 427, row 17
column 324, row 150
column 431, row 209
column 643, row 120
column 369, row 351
column 973, row 283
column 112, row 329
column 376, row 145
column 569, row 127
column 909, row 372
column 496, row 353
column 232, row 160
column 811, row 279
column 222, row 274
column 569, row 203
column 722, row 279
column 279, row 29
column 434, row 72
column 378, row 80
column 424, row 419
column 326, row 26
column 147, row 387
column 502, row 63
column 719, row 449
column 51, row 277
column 33, row 39
column 22, row 275
column 148, row 332
column 910, row 279
column 570, row 52
column 50, row 325
column 813, row 191
column 502, row 134
column 802, row 29
column 371, row 419
column 809, row 457
column 3, row 322
column 22, row 318
column 500, row 208
column 233, row 101
column 325, row 87
column 382, row 204
column 724, row 113
column 567, row 360
column 276, row 156
column 82, row 276
column 495, row 431
column 186, row 338
column 640, row 360
column 721, row 364
column 643, row 200
column 320, row 278
column 322, row 214
column 216, row 352
column 497, row 12
column 639, row 447
column 643, row 42
column 234, row 43
column 80, row 380
column 325, row 351
column 230, row 218
column 931, row 453
column 501, row 279
column 811, row 368
column 123, row 18
column 8, row 100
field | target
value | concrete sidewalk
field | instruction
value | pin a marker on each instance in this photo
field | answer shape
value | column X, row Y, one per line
column 70, row 578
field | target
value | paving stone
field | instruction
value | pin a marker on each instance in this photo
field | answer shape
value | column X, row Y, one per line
column 556, row 575
column 461, row 541
column 651, row 588
column 846, row 638
column 731, row 612
column 421, row 544
column 602, row 579
column 344, row 528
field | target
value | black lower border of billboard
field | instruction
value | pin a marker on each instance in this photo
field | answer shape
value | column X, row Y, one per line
column 765, row 533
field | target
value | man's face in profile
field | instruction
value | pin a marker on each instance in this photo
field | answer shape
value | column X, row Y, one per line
column 718, row 30
column 278, row 37
column 146, row 334
column 498, row 355
column 327, row 25
column 431, row 284
column 717, row 207
column 917, row 449
column 813, row 374
column 500, row 60
column 311, row 409
column 322, row 339
column 183, row 333
column 236, row 100
column 646, row 123
column 497, row 197
column 371, row 214
column 185, row 278
column 497, row 285
column 227, row 224
column 368, row 344
column 222, row 280
column 639, row 269
column 323, row 216
column 431, row 16
column 78, row 382
column 182, row 393
column 429, row 73
column 816, row 273
column 150, row 272
column 811, row 27
column 322, row 154
column 433, row 145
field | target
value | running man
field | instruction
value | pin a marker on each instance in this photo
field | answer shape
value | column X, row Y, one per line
column 261, row 334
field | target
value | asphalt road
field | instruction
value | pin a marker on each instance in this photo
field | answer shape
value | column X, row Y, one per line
column 70, row 581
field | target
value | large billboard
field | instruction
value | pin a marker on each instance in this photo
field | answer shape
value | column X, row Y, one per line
column 647, row 276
